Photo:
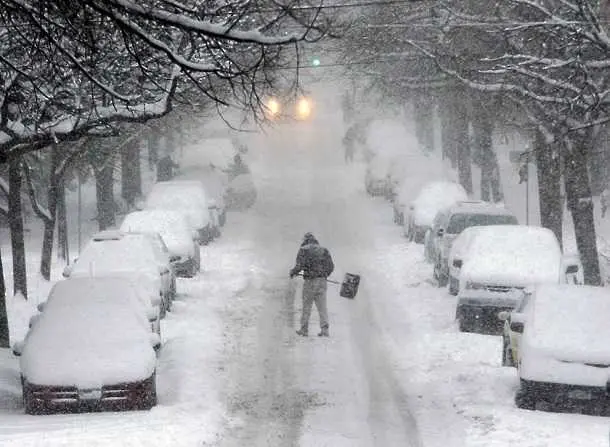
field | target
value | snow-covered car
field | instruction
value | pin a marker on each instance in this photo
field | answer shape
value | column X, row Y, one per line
column 215, row 182
column 142, row 255
column 174, row 229
column 189, row 197
column 241, row 193
column 564, row 356
column 457, row 254
column 89, row 349
column 458, row 217
column 432, row 198
column 376, row 177
column 501, row 261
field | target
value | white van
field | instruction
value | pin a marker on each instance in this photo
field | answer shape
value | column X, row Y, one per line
column 501, row 261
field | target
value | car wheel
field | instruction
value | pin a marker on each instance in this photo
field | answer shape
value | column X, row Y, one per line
column 524, row 398
column 453, row 286
column 464, row 325
column 31, row 405
column 507, row 353
column 147, row 395
column 439, row 275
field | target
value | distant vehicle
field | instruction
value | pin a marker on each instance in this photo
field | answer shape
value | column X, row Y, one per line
column 501, row 261
column 142, row 255
column 174, row 229
column 376, row 177
column 564, row 355
column 88, row 350
column 187, row 196
column 455, row 219
column 432, row 198
column 297, row 108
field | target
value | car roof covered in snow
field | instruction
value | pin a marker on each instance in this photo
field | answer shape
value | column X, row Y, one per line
column 112, row 255
column 516, row 255
column 88, row 335
column 177, row 193
column 435, row 196
column 571, row 321
column 479, row 207
column 160, row 221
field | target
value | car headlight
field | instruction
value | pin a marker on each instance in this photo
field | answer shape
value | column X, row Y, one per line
column 273, row 107
column 471, row 285
column 303, row 108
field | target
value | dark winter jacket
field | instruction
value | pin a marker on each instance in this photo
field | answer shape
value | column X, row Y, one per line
column 313, row 260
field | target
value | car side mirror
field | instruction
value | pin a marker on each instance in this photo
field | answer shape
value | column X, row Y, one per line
column 516, row 326
column 457, row 263
column 41, row 306
column 18, row 348
column 504, row 315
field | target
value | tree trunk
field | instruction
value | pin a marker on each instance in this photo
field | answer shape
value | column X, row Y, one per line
column 63, row 249
column 482, row 125
column 49, row 223
column 153, row 140
column 449, row 148
column 105, row 197
column 16, row 226
column 462, row 145
column 580, row 204
column 424, row 124
column 4, row 332
column 131, row 178
column 548, row 169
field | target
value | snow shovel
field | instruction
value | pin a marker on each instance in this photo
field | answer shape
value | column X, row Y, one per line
column 349, row 286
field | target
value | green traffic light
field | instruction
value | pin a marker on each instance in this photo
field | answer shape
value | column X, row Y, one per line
column 315, row 62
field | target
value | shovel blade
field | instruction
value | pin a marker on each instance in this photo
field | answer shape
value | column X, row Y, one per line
column 349, row 286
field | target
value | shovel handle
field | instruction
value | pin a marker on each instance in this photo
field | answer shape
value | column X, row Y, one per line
column 327, row 280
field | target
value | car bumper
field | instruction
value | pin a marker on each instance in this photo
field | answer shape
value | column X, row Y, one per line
column 566, row 395
column 116, row 397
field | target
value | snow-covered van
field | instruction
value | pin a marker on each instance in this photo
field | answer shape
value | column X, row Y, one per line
column 502, row 260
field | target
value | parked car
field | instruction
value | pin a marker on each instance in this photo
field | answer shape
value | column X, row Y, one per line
column 501, row 261
column 564, row 355
column 400, row 199
column 376, row 177
column 189, row 197
column 513, row 329
column 174, row 229
column 457, row 255
column 88, row 350
column 458, row 217
column 142, row 255
column 432, row 198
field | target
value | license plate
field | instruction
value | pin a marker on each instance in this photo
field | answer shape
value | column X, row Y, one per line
column 92, row 394
column 579, row 394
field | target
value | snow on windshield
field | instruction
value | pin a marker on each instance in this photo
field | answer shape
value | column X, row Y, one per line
column 572, row 322
column 172, row 226
column 513, row 254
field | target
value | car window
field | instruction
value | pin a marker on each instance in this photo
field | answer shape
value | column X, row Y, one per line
column 459, row 222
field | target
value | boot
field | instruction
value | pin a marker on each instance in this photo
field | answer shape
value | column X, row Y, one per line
column 324, row 333
column 303, row 332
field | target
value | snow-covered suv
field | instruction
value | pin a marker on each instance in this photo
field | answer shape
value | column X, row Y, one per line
column 456, row 219
column 501, row 261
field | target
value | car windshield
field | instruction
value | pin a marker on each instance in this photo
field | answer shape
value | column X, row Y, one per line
column 459, row 222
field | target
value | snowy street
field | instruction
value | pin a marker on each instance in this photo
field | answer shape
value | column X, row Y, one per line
column 232, row 372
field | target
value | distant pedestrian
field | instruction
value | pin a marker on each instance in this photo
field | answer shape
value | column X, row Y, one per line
column 165, row 168
column 349, row 140
column 316, row 264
